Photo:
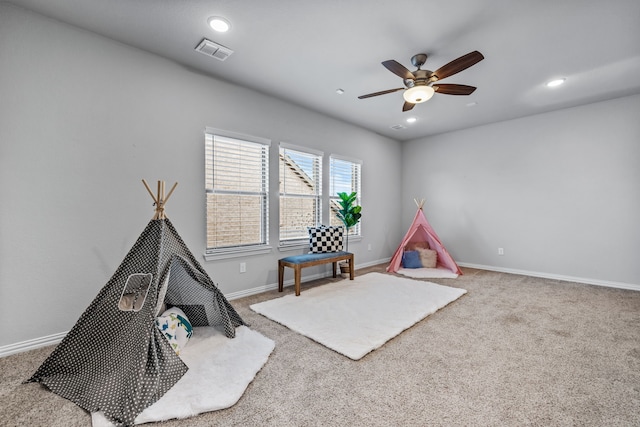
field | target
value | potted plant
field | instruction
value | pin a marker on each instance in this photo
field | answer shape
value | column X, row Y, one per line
column 349, row 214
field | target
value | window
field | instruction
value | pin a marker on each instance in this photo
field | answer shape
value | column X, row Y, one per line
column 237, row 190
column 300, row 192
column 344, row 178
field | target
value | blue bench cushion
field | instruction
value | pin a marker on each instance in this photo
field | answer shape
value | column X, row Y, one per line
column 301, row 259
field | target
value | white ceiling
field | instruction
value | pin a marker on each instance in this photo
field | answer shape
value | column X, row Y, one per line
column 303, row 50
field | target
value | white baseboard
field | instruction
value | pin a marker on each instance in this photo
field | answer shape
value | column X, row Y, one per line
column 606, row 283
column 270, row 287
column 35, row 343
column 19, row 347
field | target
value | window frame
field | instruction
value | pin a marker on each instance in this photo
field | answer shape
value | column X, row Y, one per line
column 318, row 156
column 235, row 250
column 355, row 231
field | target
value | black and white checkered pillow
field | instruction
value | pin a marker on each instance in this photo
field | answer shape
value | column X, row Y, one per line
column 325, row 239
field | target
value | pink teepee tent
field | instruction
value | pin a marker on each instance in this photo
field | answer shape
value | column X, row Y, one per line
column 420, row 231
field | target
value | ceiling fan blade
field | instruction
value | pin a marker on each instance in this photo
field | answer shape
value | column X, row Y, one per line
column 458, row 65
column 398, row 69
column 453, row 89
column 384, row 92
column 407, row 106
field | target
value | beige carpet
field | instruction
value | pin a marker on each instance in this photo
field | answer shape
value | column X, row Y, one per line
column 515, row 351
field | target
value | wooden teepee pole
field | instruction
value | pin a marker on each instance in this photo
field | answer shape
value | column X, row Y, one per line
column 170, row 193
column 150, row 192
column 420, row 203
column 159, row 200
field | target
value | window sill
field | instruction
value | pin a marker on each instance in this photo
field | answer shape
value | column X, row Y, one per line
column 293, row 245
column 236, row 253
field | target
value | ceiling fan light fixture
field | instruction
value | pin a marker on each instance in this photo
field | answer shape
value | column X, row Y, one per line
column 418, row 94
column 219, row 24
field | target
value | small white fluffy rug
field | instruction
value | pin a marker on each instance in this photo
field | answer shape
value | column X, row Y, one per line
column 220, row 369
column 354, row 317
column 428, row 273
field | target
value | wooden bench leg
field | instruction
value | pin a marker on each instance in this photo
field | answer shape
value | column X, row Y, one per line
column 280, row 277
column 297, row 276
column 351, row 268
column 335, row 269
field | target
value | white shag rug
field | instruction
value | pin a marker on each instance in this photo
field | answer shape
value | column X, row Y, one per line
column 220, row 369
column 428, row 273
column 354, row 317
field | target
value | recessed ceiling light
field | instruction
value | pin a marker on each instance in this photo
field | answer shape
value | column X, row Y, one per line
column 339, row 91
column 472, row 104
column 412, row 119
column 219, row 24
column 556, row 82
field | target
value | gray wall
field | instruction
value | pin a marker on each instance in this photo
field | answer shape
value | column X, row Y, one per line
column 83, row 119
column 560, row 192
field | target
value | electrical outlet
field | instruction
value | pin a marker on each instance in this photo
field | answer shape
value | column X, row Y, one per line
column 369, row 247
column 500, row 251
column 243, row 267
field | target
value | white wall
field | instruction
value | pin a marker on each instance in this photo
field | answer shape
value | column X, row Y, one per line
column 83, row 119
column 560, row 192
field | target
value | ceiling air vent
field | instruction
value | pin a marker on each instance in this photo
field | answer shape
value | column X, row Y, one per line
column 398, row 127
column 209, row 48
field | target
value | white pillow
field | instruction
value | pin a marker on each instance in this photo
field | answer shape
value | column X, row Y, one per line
column 428, row 257
column 176, row 328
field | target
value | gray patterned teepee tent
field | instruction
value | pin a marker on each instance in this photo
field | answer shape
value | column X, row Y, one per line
column 115, row 359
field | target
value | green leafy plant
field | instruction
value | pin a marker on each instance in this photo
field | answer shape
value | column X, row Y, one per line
column 349, row 213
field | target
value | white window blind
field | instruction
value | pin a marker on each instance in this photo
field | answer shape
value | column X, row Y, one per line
column 237, row 185
column 344, row 178
column 300, row 192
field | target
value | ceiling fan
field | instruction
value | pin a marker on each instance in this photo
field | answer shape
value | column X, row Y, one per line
column 420, row 84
